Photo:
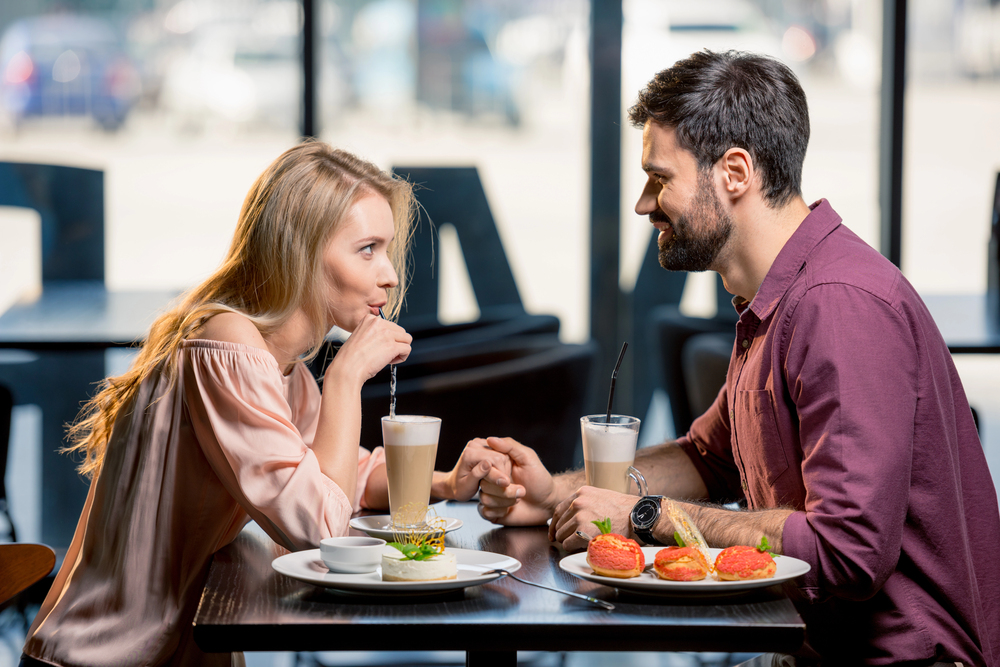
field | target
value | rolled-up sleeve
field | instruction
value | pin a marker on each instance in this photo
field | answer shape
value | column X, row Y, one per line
column 259, row 445
column 853, row 382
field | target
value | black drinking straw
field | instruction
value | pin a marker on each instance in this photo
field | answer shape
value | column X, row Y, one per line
column 614, row 376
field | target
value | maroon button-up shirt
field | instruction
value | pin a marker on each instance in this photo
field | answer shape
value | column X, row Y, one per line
column 842, row 402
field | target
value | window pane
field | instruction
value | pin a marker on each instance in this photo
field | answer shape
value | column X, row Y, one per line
column 952, row 143
column 181, row 102
column 498, row 84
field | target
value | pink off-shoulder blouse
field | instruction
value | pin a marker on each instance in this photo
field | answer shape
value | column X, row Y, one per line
column 189, row 465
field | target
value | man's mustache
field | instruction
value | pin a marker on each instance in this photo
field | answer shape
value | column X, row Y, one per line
column 659, row 216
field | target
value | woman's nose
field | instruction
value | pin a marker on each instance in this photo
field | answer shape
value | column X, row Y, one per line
column 388, row 276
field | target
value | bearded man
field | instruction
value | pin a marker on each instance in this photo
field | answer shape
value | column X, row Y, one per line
column 842, row 429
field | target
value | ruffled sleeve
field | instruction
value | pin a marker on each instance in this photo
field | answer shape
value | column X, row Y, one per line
column 256, row 428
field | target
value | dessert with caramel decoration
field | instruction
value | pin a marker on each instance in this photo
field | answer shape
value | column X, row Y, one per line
column 613, row 555
column 419, row 555
column 681, row 564
column 744, row 562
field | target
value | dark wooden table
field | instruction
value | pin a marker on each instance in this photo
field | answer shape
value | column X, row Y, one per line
column 247, row 606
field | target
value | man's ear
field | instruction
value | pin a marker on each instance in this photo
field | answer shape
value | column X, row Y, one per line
column 737, row 172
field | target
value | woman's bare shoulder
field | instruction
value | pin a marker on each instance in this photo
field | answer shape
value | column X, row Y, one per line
column 231, row 328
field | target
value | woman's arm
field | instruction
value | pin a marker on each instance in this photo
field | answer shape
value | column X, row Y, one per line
column 373, row 345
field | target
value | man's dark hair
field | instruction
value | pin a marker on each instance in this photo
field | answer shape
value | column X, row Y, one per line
column 717, row 101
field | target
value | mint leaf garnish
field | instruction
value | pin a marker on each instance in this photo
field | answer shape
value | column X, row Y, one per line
column 765, row 547
column 414, row 552
column 604, row 526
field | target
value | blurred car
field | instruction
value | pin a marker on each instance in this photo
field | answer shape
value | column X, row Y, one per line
column 66, row 65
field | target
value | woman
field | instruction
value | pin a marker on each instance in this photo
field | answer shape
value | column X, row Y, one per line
column 218, row 421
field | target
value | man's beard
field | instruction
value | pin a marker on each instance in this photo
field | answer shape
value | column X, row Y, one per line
column 686, row 249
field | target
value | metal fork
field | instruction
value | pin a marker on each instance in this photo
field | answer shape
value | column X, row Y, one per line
column 599, row 603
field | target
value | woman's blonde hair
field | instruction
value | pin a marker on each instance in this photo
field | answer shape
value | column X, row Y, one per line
column 273, row 268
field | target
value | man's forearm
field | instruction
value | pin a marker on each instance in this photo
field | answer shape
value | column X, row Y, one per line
column 669, row 472
column 724, row 528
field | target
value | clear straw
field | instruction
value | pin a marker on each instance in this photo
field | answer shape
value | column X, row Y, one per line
column 392, row 382
column 614, row 376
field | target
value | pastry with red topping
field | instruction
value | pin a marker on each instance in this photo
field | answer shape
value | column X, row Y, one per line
column 613, row 555
column 744, row 562
column 681, row 564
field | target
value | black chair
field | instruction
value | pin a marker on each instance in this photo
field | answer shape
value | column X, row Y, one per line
column 531, row 388
column 705, row 363
column 70, row 201
column 654, row 287
column 672, row 330
column 455, row 196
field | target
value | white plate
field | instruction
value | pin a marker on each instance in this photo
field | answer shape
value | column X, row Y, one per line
column 378, row 525
column 308, row 566
column 647, row 582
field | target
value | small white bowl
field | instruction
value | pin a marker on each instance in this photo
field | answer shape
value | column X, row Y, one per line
column 351, row 555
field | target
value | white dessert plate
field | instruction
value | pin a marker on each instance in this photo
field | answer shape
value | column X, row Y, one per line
column 308, row 566
column 649, row 583
column 378, row 525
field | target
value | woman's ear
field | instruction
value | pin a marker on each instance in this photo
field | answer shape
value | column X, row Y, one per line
column 737, row 172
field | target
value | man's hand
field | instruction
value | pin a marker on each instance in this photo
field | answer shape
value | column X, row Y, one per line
column 529, row 498
column 477, row 464
column 590, row 504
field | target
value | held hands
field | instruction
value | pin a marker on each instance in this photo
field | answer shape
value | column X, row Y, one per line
column 372, row 346
column 576, row 512
column 528, row 498
column 477, row 465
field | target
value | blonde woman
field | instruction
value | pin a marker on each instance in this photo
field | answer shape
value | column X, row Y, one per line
column 218, row 421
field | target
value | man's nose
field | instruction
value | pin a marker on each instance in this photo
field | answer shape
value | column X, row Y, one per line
column 647, row 198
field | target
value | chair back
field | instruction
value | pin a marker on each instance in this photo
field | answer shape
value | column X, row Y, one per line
column 455, row 195
column 672, row 329
column 70, row 201
column 23, row 565
column 531, row 388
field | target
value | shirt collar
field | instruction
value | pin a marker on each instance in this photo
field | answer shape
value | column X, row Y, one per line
column 821, row 220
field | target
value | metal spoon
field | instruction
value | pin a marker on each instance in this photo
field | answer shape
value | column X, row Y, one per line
column 599, row 603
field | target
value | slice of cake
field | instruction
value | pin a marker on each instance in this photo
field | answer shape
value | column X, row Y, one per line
column 396, row 567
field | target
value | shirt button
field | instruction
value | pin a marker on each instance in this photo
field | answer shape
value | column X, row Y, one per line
column 732, row 415
column 746, row 343
column 743, row 483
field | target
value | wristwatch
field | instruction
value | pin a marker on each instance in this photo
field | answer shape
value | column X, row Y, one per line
column 643, row 517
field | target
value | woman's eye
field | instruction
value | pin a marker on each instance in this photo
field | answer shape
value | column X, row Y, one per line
column 368, row 249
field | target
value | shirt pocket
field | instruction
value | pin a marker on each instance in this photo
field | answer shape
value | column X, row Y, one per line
column 758, row 439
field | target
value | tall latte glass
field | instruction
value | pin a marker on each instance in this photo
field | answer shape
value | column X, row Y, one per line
column 410, row 449
column 609, row 451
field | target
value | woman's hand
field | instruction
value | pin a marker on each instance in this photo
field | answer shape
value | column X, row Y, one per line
column 478, row 462
column 532, row 494
column 373, row 345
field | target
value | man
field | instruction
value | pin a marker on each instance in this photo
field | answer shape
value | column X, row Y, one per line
column 842, row 426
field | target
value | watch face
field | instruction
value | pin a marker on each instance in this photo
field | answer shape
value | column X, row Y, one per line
column 645, row 512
